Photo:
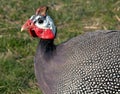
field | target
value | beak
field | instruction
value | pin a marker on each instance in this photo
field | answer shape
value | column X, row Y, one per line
column 22, row 29
column 26, row 26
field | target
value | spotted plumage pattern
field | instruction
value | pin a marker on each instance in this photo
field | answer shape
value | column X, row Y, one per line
column 86, row 64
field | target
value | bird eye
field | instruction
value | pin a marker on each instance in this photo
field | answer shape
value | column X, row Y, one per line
column 40, row 20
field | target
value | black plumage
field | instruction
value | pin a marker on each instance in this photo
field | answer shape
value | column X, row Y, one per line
column 86, row 64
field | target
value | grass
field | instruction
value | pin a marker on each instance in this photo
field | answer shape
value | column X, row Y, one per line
column 17, row 49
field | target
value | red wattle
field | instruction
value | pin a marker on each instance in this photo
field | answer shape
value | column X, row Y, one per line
column 41, row 33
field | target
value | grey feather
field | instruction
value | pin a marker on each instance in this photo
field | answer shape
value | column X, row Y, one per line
column 86, row 64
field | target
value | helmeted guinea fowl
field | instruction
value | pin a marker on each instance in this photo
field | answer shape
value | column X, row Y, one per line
column 86, row 64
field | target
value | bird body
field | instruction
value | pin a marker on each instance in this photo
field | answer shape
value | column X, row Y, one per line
column 86, row 64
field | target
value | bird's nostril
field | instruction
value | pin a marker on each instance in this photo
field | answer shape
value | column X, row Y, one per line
column 30, row 23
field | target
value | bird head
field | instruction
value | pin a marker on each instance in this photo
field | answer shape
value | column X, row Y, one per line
column 34, row 25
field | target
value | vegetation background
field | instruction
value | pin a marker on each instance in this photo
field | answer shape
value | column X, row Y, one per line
column 17, row 49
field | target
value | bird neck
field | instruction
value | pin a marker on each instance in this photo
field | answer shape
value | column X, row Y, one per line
column 47, row 48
